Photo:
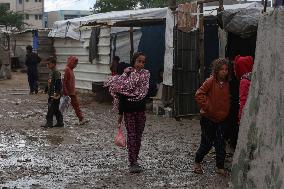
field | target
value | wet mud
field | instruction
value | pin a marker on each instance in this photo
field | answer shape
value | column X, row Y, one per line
column 84, row 156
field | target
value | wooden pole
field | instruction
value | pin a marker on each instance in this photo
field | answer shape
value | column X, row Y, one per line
column 265, row 5
column 201, row 36
column 201, row 43
column 131, row 41
column 205, row 1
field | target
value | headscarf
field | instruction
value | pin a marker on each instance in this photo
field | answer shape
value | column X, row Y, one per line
column 71, row 61
column 243, row 65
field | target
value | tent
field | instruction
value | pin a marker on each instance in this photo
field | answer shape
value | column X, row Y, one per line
column 72, row 38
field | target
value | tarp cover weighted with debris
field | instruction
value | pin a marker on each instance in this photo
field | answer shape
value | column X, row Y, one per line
column 242, row 22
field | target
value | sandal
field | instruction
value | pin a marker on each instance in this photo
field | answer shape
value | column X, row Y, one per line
column 197, row 168
column 222, row 172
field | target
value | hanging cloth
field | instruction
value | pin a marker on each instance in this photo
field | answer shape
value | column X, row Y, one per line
column 279, row 3
column 35, row 40
column 93, row 45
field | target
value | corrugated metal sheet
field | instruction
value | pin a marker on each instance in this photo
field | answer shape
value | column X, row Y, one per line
column 45, row 50
column 86, row 72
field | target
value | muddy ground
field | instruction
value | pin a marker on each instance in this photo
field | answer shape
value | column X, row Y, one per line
column 76, row 157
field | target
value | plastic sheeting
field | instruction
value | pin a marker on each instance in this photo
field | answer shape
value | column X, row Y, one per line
column 71, row 28
column 121, row 44
column 279, row 3
column 242, row 22
column 152, row 43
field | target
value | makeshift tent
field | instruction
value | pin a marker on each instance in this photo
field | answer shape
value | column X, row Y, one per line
column 208, row 11
column 70, row 38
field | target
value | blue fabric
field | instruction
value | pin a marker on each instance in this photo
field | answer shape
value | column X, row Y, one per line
column 35, row 40
column 152, row 44
column 279, row 3
column 211, row 43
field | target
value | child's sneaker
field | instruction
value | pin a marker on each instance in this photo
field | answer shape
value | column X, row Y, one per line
column 222, row 172
column 197, row 168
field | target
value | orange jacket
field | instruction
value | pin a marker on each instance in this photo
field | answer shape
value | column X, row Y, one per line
column 214, row 100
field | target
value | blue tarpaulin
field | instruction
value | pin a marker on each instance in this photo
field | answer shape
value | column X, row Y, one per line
column 35, row 40
column 152, row 44
column 279, row 3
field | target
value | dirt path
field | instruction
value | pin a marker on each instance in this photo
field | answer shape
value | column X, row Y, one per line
column 76, row 157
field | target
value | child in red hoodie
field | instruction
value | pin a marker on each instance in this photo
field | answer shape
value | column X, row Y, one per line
column 69, row 87
column 243, row 67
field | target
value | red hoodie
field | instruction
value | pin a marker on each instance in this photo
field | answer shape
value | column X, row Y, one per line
column 69, row 77
column 243, row 66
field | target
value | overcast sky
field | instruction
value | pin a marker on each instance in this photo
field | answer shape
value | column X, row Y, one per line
column 52, row 5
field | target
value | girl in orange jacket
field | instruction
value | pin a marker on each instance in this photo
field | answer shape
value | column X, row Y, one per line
column 213, row 98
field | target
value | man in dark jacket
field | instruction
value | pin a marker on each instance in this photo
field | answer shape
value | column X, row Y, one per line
column 32, row 61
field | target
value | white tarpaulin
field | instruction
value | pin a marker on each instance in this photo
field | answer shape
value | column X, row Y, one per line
column 71, row 28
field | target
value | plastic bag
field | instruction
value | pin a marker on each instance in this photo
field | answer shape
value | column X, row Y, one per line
column 64, row 103
column 119, row 138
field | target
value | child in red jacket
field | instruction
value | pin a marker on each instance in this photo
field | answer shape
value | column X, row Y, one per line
column 243, row 67
column 69, row 87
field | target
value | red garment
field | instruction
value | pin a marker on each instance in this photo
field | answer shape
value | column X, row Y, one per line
column 244, row 90
column 69, row 85
column 76, row 106
column 69, row 77
column 243, row 66
column 214, row 100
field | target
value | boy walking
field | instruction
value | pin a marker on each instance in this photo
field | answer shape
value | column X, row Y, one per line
column 69, row 87
column 54, row 94
column 213, row 97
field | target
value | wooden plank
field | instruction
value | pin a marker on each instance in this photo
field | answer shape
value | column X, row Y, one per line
column 201, row 44
column 206, row 1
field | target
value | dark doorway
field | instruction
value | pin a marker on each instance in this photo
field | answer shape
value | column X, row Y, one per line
column 185, row 73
